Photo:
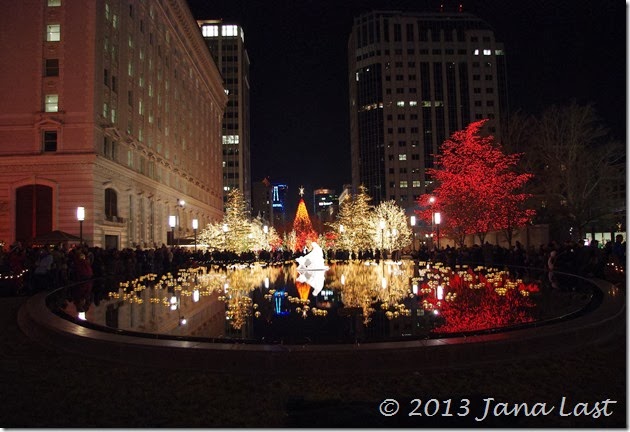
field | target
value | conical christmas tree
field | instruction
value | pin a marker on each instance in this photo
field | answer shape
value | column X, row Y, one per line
column 303, row 227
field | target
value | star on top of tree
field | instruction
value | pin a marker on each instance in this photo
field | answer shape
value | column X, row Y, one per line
column 301, row 191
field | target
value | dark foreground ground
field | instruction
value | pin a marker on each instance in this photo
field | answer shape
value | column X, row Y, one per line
column 43, row 387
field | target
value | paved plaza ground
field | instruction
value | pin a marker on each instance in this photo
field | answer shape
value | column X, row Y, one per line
column 45, row 387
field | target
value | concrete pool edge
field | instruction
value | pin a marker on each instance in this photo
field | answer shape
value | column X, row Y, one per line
column 40, row 324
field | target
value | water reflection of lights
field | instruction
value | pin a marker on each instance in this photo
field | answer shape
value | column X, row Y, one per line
column 393, row 295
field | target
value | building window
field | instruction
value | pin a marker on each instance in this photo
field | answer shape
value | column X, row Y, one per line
column 403, row 183
column 50, row 141
column 416, row 183
column 52, row 103
column 52, row 67
column 53, row 32
column 402, row 157
column 111, row 204
column 54, row 3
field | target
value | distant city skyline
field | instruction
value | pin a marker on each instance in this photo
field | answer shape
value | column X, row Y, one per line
column 556, row 52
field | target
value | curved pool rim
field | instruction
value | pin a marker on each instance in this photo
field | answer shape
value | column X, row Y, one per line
column 590, row 325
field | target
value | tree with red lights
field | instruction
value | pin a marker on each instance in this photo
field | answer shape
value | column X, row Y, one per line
column 303, row 228
column 478, row 188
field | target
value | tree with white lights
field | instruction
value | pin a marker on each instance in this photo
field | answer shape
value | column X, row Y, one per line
column 394, row 234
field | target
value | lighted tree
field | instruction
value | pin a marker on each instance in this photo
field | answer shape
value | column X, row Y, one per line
column 352, row 226
column 395, row 235
column 261, row 240
column 478, row 188
column 303, row 228
column 234, row 231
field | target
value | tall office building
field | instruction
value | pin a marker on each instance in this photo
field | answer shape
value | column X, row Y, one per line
column 325, row 204
column 110, row 105
column 227, row 46
column 415, row 78
column 279, row 197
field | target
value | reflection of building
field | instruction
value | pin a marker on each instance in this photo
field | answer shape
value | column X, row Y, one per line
column 226, row 43
column 325, row 204
column 414, row 79
column 112, row 106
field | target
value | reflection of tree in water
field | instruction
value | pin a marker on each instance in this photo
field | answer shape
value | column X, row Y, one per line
column 364, row 285
column 238, row 285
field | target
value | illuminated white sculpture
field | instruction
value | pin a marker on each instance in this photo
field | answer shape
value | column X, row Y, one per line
column 314, row 260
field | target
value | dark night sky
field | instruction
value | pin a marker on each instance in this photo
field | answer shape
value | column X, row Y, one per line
column 556, row 51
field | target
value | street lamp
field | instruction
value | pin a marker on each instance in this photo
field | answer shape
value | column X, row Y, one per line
column 172, row 221
column 195, row 224
column 381, row 224
column 81, row 218
column 412, row 222
column 266, row 231
column 180, row 204
column 438, row 219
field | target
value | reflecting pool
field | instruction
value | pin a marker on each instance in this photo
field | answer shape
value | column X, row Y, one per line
column 347, row 303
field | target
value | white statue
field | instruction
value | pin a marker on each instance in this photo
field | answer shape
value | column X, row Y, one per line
column 314, row 260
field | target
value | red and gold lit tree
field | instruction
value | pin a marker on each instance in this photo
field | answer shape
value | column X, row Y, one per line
column 303, row 228
column 478, row 188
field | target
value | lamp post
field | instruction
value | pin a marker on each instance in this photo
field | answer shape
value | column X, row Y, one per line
column 431, row 202
column 195, row 225
column 382, row 226
column 180, row 204
column 172, row 221
column 81, row 218
column 266, row 231
column 412, row 222
column 438, row 219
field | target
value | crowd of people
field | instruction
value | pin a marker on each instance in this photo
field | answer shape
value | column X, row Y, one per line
column 24, row 270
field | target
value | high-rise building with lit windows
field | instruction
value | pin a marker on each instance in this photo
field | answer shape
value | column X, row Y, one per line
column 227, row 45
column 110, row 105
column 414, row 79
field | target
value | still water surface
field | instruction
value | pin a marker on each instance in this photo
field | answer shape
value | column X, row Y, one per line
column 347, row 303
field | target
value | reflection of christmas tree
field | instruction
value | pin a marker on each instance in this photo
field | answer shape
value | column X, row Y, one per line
column 303, row 227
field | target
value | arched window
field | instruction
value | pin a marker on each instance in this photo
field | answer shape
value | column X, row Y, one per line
column 111, row 204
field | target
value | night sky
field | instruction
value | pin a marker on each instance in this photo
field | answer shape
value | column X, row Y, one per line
column 557, row 50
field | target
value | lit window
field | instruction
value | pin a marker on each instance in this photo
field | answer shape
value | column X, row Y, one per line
column 53, row 32
column 400, row 103
column 487, row 52
column 413, row 103
column 229, row 30
column 54, row 3
column 402, row 157
column 210, row 31
column 416, row 183
column 105, row 109
column 476, row 52
column 113, row 115
column 403, row 183
column 52, row 103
